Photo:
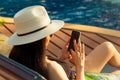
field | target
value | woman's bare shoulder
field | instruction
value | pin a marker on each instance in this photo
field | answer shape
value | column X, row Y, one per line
column 52, row 63
column 56, row 72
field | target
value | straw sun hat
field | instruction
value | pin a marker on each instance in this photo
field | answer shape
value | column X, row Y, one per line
column 32, row 24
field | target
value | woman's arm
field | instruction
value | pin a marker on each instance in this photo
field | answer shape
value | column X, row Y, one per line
column 78, row 59
column 80, row 74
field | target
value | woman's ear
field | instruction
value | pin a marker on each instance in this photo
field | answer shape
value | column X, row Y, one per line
column 47, row 40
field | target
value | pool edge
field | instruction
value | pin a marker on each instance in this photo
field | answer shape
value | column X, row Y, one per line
column 93, row 29
column 86, row 28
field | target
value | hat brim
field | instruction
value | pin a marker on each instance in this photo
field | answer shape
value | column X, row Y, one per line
column 51, row 28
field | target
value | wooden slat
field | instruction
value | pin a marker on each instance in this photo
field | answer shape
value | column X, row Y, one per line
column 49, row 53
column 62, row 35
column 112, row 39
column 7, row 29
column 93, row 37
column 54, row 50
column 4, row 31
column 58, row 41
column 10, row 26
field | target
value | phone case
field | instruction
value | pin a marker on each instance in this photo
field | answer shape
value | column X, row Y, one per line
column 75, row 35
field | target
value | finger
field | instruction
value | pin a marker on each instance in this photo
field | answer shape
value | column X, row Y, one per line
column 78, row 54
column 79, row 41
column 67, row 43
column 78, row 45
column 70, row 57
column 75, row 47
column 83, row 48
column 83, row 51
column 71, row 51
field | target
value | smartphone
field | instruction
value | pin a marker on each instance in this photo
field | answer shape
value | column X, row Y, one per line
column 74, row 35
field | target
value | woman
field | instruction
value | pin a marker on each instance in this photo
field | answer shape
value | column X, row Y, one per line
column 33, row 32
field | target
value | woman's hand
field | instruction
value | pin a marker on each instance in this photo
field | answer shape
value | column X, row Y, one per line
column 78, row 56
column 65, row 53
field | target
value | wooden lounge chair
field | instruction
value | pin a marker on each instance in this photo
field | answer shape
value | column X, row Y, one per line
column 11, row 70
column 91, row 36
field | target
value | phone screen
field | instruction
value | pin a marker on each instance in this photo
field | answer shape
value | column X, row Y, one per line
column 74, row 35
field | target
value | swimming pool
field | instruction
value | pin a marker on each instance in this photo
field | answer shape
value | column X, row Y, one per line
column 101, row 13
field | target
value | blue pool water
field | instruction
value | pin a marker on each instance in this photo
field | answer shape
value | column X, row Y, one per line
column 101, row 13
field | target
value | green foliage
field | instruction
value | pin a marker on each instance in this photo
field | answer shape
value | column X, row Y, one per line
column 1, row 40
column 1, row 21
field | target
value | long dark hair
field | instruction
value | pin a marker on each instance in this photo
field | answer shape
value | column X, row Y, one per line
column 31, row 55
